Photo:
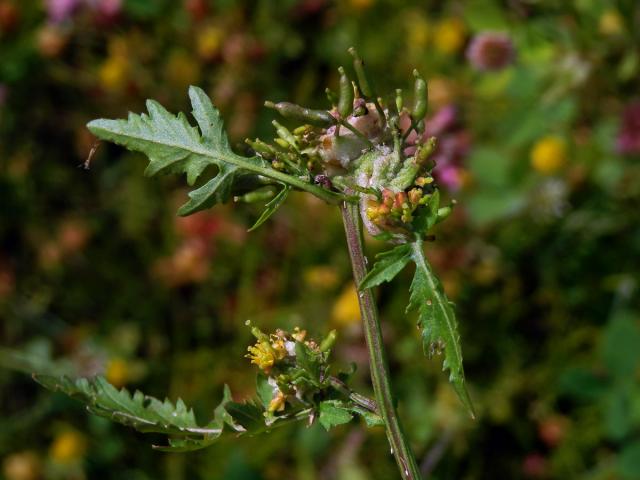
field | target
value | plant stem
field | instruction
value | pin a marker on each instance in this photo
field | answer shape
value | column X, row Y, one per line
column 377, row 358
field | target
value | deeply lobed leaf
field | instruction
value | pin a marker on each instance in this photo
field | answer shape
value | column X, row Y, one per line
column 173, row 145
column 438, row 322
column 388, row 265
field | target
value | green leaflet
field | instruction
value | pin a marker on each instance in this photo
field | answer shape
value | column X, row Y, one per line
column 388, row 265
column 173, row 145
column 438, row 322
column 150, row 415
column 333, row 413
column 272, row 206
column 146, row 414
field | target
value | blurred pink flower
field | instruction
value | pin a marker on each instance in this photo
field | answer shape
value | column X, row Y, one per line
column 628, row 141
column 444, row 119
column 450, row 176
column 108, row 8
column 452, row 147
column 491, row 51
column 60, row 10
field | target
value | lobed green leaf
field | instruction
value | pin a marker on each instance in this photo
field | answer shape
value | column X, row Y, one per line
column 438, row 322
column 388, row 265
column 333, row 413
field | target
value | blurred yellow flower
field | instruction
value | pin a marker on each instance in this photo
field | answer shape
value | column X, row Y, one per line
column 346, row 310
column 209, row 41
column 182, row 70
column 449, row 35
column 549, row 155
column 418, row 30
column 117, row 372
column 68, row 447
column 114, row 73
column 611, row 23
column 321, row 277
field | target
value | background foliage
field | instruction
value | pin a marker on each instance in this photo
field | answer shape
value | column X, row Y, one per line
column 98, row 275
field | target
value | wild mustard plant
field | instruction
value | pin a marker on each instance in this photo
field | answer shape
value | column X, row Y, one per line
column 368, row 156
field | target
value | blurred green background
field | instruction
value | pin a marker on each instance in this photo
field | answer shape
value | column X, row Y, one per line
column 97, row 275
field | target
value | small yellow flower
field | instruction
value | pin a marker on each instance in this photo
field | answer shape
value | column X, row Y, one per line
column 321, row 277
column 449, row 35
column 182, row 70
column 262, row 354
column 117, row 372
column 611, row 23
column 549, row 155
column 346, row 310
column 114, row 73
column 68, row 447
column 209, row 41
column 278, row 346
column 418, row 30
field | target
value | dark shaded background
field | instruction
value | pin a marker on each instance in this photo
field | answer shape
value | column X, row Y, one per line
column 542, row 256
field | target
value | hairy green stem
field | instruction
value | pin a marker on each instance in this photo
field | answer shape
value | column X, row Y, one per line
column 377, row 358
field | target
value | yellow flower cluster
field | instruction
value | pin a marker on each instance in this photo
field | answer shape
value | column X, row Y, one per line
column 270, row 349
column 549, row 155
column 68, row 447
column 395, row 207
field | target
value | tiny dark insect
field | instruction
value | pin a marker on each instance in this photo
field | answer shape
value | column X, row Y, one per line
column 94, row 148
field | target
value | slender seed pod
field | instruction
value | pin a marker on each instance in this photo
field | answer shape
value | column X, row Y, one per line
column 443, row 213
column 255, row 196
column 319, row 118
column 399, row 100
column 261, row 148
column 328, row 342
column 420, row 94
column 259, row 334
column 345, row 103
column 284, row 133
column 425, row 150
column 361, row 74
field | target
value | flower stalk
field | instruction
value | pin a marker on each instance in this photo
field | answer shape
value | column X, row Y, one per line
column 377, row 357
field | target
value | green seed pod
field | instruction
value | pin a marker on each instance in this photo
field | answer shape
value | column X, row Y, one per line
column 345, row 103
column 284, row 133
column 259, row 334
column 255, row 196
column 319, row 118
column 421, row 95
column 261, row 148
column 361, row 74
column 399, row 100
column 443, row 213
column 425, row 150
column 283, row 143
column 328, row 342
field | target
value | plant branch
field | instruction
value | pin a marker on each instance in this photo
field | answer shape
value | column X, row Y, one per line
column 377, row 357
